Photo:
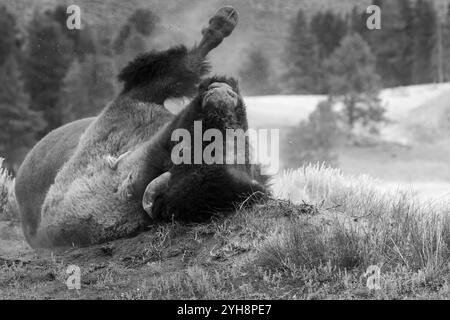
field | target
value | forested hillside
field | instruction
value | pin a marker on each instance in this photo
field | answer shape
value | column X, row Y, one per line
column 56, row 75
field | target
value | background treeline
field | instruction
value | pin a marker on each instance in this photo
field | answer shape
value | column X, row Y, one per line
column 51, row 75
column 336, row 55
column 412, row 47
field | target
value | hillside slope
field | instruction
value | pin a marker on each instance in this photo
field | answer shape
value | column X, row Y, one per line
column 413, row 152
column 403, row 105
column 264, row 24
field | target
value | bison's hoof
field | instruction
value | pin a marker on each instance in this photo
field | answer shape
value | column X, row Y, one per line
column 220, row 26
column 155, row 187
column 223, row 22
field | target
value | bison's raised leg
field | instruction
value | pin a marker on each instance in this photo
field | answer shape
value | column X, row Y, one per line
column 220, row 26
column 153, row 158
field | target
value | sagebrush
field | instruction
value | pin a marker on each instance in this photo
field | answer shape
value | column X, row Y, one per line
column 8, row 205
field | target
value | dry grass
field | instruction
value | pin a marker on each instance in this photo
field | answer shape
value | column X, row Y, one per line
column 362, row 225
column 8, row 203
column 6, row 186
column 318, row 248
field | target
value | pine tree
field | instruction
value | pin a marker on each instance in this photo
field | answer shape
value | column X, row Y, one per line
column 18, row 123
column 312, row 140
column 139, row 26
column 48, row 58
column 88, row 86
column 134, row 36
column 8, row 34
column 301, row 59
column 144, row 21
column 358, row 22
column 353, row 79
column 329, row 28
column 446, row 45
column 393, row 45
column 406, row 60
column 425, row 37
column 439, row 52
column 82, row 40
column 255, row 75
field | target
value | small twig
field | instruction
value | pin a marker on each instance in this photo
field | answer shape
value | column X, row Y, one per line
column 333, row 207
column 399, row 253
column 248, row 198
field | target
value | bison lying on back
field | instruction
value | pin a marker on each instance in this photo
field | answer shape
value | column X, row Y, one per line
column 85, row 182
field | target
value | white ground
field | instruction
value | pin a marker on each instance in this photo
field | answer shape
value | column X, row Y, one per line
column 420, row 167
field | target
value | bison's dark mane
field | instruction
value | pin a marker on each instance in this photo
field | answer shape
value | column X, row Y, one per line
column 172, row 73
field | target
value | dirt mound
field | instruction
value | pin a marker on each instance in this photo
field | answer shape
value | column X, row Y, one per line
column 167, row 261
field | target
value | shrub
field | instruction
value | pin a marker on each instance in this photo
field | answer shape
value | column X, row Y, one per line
column 256, row 75
column 312, row 140
column 352, row 79
column 8, row 206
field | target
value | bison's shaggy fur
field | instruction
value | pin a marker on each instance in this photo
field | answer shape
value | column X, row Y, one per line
column 84, row 182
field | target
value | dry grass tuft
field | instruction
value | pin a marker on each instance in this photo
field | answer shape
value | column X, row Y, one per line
column 6, row 187
column 362, row 225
